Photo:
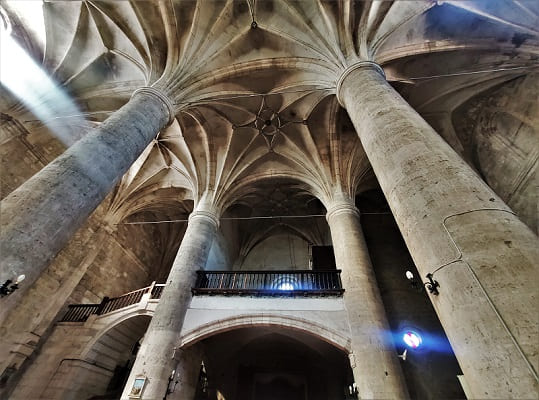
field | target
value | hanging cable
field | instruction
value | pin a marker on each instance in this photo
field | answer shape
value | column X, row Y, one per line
column 170, row 221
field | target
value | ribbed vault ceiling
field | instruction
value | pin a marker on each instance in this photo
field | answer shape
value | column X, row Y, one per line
column 254, row 80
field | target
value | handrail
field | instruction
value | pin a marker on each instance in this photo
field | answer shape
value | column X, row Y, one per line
column 124, row 300
column 157, row 290
column 81, row 312
column 279, row 271
column 274, row 283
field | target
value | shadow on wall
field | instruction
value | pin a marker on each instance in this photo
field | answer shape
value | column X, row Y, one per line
column 431, row 369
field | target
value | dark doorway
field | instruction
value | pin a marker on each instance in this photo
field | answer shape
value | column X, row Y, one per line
column 323, row 257
column 282, row 387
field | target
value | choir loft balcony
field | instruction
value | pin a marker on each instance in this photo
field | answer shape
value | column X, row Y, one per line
column 270, row 283
column 284, row 283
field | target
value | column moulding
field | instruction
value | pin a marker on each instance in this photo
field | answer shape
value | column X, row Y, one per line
column 375, row 366
column 155, row 360
column 480, row 259
column 352, row 68
column 205, row 215
column 341, row 207
column 153, row 91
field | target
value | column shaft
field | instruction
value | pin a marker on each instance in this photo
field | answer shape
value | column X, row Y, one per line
column 156, row 358
column 187, row 372
column 483, row 256
column 374, row 361
column 39, row 218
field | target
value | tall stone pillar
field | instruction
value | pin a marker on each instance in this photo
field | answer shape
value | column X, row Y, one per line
column 374, row 361
column 157, row 356
column 186, row 375
column 455, row 227
column 39, row 218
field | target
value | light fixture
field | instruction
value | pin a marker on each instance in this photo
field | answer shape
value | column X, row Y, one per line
column 173, row 388
column 431, row 285
column 353, row 389
column 6, row 289
column 412, row 340
column 403, row 355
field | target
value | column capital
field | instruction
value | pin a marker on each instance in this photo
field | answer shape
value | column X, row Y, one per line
column 342, row 206
column 352, row 68
column 159, row 94
column 208, row 216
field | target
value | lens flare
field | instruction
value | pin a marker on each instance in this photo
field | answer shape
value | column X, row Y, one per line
column 286, row 286
column 412, row 339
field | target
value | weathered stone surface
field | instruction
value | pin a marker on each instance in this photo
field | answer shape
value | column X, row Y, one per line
column 373, row 357
column 501, row 132
column 40, row 217
column 156, row 356
column 254, row 81
column 458, row 229
column 185, row 378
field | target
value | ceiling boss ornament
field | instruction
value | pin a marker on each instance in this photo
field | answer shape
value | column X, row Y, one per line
column 267, row 122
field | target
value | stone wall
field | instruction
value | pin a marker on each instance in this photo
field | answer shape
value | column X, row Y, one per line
column 501, row 130
column 278, row 252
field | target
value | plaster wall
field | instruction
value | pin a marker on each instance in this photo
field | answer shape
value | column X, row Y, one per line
column 278, row 252
column 219, row 258
column 210, row 314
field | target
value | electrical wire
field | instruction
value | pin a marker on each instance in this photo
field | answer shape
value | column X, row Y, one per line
column 485, row 71
column 460, row 258
column 170, row 221
column 314, row 89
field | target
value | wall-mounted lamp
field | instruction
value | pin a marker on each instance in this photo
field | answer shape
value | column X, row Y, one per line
column 6, row 289
column 431, row 285
column 352, row 389
column 170, row 380
column 403, row 355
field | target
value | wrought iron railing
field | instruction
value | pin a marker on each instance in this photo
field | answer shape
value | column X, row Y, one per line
column 81, row 312
column 274, row 283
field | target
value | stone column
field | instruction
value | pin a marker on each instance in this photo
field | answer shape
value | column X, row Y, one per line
column 186, row 375
column 157, row 356
column 455, row 227
column 374, row 360
column 39, row 218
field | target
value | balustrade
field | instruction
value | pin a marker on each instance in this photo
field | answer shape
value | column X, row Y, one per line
column 275, row 283
column 81, row 312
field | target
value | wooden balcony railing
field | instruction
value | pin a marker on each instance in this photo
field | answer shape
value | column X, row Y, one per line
column 81, row 312
column 273, row 283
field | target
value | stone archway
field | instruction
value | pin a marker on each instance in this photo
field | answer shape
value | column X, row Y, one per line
column 267, row 357
column 82, row 360
column 324, row 333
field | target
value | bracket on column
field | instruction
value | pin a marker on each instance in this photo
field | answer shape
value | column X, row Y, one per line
column 432, row 285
